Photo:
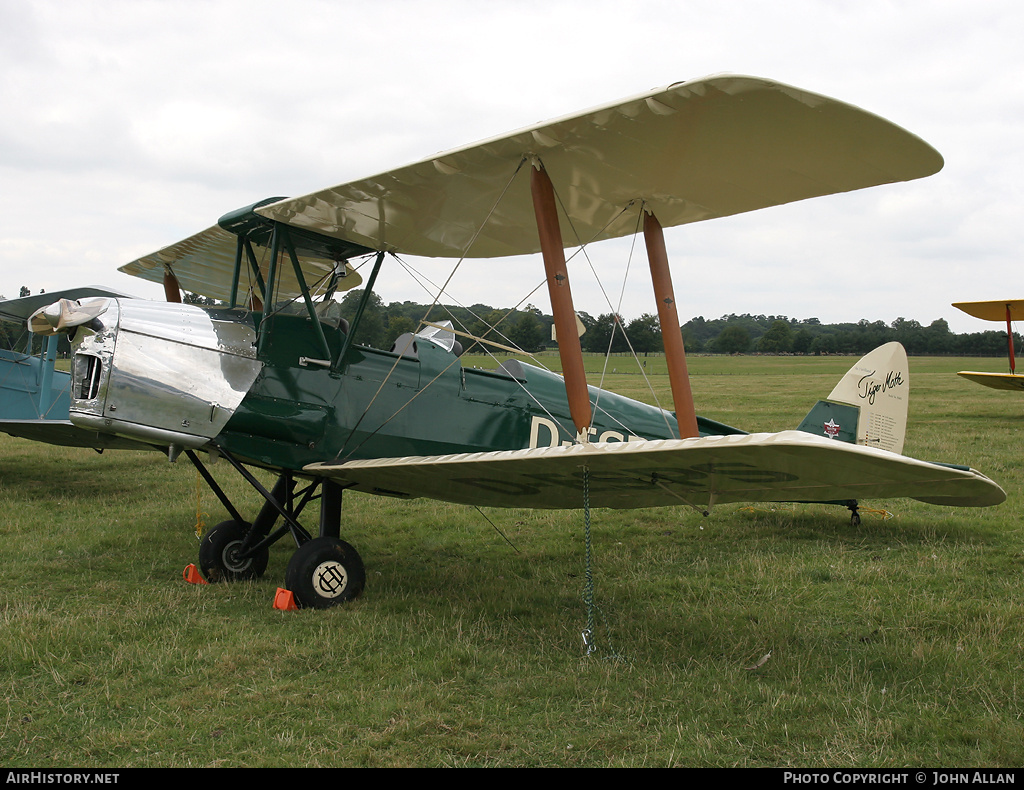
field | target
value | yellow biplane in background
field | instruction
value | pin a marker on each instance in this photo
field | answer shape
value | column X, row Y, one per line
column 1009, row 311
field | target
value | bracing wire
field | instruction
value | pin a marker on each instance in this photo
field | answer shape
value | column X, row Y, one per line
column 455, row 269
column 616, row 309
column 416, row 275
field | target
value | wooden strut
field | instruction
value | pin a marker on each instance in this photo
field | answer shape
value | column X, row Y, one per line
column 172, row 292
column 1009, row 338
column 675, row 352
column 569, row 349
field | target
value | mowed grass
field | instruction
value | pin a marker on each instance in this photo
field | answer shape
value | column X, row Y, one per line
column 895, row 643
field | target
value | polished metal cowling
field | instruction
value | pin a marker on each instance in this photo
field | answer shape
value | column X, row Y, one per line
column 162, row 373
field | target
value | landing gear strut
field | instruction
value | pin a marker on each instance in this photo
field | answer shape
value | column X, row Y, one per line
column 323, row 572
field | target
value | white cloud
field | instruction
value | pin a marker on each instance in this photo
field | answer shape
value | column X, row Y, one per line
column 129, row 125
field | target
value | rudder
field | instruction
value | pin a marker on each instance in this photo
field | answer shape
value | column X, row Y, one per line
column 869, row 404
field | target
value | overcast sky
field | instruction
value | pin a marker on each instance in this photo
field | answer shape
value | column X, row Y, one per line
column 126, row 126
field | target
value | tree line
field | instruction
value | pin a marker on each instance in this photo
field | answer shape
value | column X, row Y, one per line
column 739, row 334
column 529, row 329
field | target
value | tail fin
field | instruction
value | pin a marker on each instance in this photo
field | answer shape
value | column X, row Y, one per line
column 869, row 404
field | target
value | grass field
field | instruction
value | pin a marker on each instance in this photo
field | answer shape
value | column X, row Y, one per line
column 896, row 643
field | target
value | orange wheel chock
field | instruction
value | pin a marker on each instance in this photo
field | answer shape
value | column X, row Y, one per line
column 285, row 601
column 192, row 576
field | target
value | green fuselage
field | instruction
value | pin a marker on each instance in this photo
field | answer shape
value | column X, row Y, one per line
column 424, row 402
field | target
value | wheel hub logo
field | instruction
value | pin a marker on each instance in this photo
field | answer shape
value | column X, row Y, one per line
column 330, row 579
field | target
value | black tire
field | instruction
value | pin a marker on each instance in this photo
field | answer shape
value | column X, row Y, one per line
column 325, row 572
column 218, row 555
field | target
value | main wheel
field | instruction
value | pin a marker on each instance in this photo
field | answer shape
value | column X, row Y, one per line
column 325, row 572
column 219, row 552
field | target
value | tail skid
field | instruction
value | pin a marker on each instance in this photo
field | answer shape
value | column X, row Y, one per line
column 869, row 404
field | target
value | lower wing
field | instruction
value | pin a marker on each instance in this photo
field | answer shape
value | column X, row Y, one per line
column 63, row 433
column 791, row 466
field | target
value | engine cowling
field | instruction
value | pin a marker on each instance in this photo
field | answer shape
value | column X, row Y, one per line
column 162, row 373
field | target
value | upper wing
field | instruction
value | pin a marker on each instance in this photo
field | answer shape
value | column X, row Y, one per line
column 696, row 150
column 994, row 310
column 205, row 264
column 18, row 310
column 791, row 466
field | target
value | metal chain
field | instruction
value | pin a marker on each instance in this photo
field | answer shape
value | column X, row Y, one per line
column 588, row 587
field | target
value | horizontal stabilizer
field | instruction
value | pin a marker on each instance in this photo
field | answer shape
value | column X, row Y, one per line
column 791, row 466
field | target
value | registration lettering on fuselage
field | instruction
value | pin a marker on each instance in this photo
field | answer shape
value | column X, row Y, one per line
column 545, row 433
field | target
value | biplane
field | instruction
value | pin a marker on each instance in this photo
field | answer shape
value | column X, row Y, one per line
column 1008, row 310
column 273, row 378
column 35, row 396
column 31, row 388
